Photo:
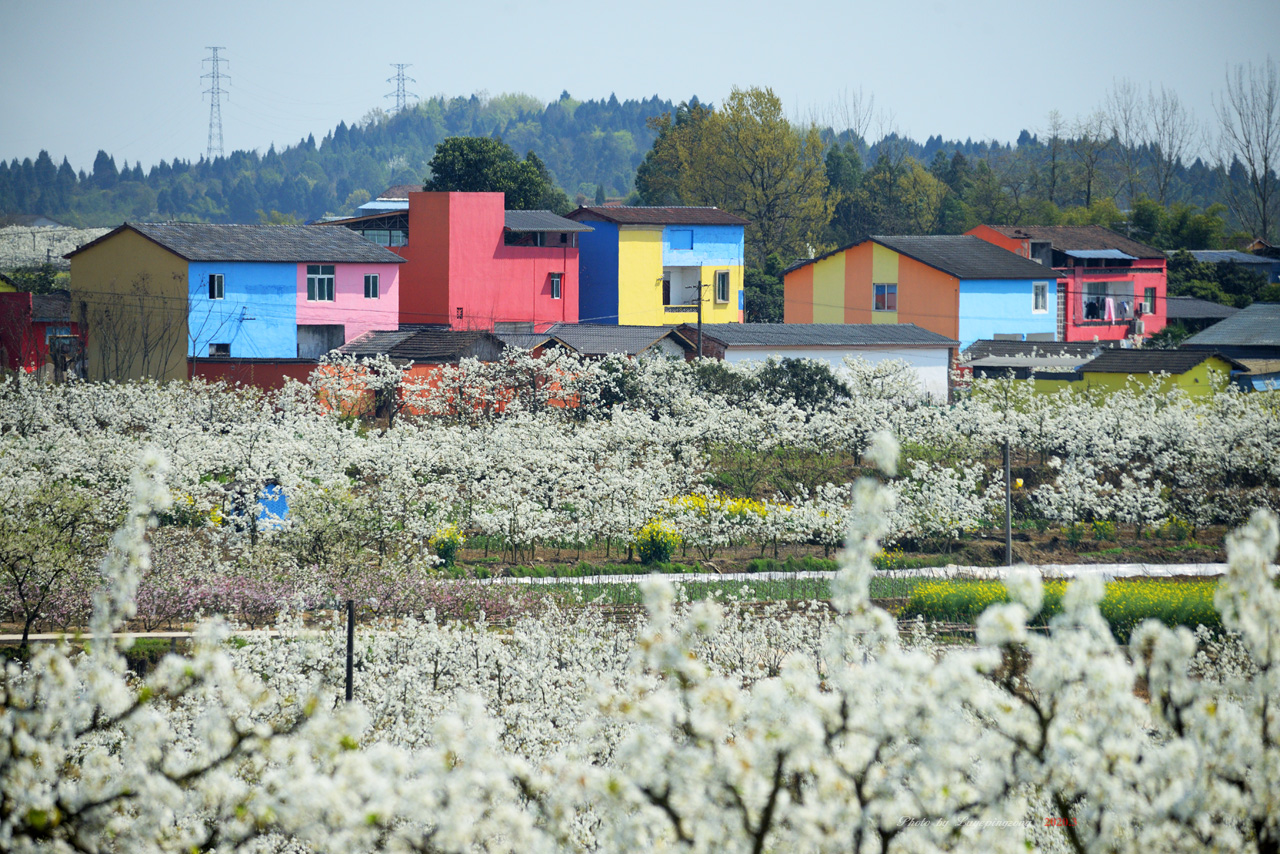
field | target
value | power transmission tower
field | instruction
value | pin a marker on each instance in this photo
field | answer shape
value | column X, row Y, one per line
column 399, row 80
column 214, row 92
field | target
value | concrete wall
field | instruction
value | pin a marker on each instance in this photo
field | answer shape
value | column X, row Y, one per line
column 132, row 294
column 257, row 315
column 1000, row 306
column 931, row 365
column 598, row 262
column 350, row 308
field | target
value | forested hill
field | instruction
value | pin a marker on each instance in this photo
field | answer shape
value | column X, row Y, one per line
column 583, row 143
column 589, row 146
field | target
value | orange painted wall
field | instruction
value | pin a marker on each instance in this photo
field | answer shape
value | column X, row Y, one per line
column 797, row 304
column 927, row 297
column 857, row 283
column 1013, row 244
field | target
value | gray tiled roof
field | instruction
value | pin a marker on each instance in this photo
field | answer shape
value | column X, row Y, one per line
column 1192, row 308
column 422, row 345
column 1223, row 256
column 540, row 221
column 966, row 257
column 198, row 241
column 1255, row 326
column 1064, row 237
column 1054, row 350
column 820, row 335
column 1122, row 361
column 523, row 340
column 55, row 306
column 596, row 339
column 671, row 215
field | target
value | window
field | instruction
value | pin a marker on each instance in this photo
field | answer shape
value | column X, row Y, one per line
column 555, row 285
column 458, row 312
column 216, row 290
column 1039, row 297
column 1149, row 301
column 371, row 286
column 319, row 283
column 666, row 289
column 219, row 350
column 722, row 285
column 886, row 298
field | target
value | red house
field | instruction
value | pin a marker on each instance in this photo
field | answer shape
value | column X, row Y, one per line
column 470, row 264
column 36, row 331
column 1109, row 287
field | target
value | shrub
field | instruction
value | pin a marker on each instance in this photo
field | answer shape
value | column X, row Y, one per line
column 446, row 543
column 1176, row 529
column 1075, row 533
column 1106, row 531
column 656, row 542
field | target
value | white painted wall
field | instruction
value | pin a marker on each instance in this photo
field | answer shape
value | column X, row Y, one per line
column 931, row 365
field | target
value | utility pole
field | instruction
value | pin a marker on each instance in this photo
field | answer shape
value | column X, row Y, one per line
column 399, row 79
column 351, row 648
column 1008, row 509
column 699, row 320
column 215, row 90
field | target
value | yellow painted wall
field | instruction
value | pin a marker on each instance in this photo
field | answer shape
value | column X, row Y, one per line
column 640, row 277
column 828, row 289
column 132, row 295
column 884, row 265
column 6, row 288
column 1213, row 374
column 640, row 283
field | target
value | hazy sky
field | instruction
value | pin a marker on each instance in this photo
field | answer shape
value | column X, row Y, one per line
column 126, row 76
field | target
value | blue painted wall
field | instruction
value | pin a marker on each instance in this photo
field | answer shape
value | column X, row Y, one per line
column 713, row 245
column 1003, row 306
column 258, row 315
column 598, row 274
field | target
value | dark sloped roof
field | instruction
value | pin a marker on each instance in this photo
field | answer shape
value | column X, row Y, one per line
column 199, row 241
column 400, row 191
column 658, row 215
column 1121, row 361
column 1255, row 326
column 1224, row 256
column 1085, row 237
column 51, row 307
column 966, row 257
column 1083, row 350
column 596, row 339
column 1192, row 308
column 523, row 340
column 540, row 221
column 820, row 335
column 420, row 345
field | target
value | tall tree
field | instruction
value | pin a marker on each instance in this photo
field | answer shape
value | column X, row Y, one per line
column 658, row 176
column 1174, row 130
column 478, row 164
column 1127, row 121
column 1089, row 146
column 749, row 160
column 1249, row 122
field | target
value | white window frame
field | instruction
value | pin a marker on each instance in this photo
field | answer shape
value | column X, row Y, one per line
column 557, row 283
column 723, row 289
column 1039, row 297
column 320, row 280
column 889, row 288
column 217, row 286
column 371, row 286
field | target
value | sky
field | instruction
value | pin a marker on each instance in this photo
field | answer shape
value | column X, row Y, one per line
column 125, row 76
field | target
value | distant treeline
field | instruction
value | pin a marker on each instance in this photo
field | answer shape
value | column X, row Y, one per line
column 593, row 149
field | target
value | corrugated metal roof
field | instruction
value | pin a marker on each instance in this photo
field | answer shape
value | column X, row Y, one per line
column 1065, row 237
column 1193, row 308
column 671, row 215
column 540, row 221
column 820, row 335
column 384, row 206
column 199, row 241
column 523, row 340
column 1121, row 361
column 1255, row 326
column 966, row 257
column 1099, row 254
column 593, row 339
column 1030, row 350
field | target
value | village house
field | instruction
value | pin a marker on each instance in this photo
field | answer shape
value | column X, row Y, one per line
column 37, row 334
column 470, row 264
column 154, row 295
column 652, row 266
column 956, row 286
column 1111, row 287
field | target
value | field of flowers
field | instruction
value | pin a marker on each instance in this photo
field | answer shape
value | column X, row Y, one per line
column 1124, row 605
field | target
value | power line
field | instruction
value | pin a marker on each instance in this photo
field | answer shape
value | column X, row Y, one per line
column 399, row 79
column 215, row 91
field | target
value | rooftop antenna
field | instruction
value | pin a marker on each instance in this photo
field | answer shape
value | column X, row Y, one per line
column 399, row 79
column 215, row 104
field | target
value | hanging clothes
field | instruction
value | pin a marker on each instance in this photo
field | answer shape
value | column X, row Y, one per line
column 1109, row 313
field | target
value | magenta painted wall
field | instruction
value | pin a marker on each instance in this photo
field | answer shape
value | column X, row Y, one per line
column 495, row 283
column 349, row 306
